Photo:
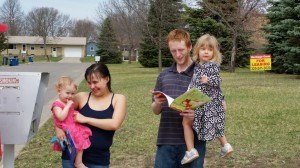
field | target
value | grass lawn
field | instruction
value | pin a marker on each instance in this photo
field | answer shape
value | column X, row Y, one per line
column 262, row 122
column 87, row 59
column 35, row 59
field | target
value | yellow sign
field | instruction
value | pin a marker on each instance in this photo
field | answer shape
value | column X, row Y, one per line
column 260, row 62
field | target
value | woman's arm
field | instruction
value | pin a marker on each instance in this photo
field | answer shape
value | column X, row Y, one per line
column 107, row 124
column 78, row 99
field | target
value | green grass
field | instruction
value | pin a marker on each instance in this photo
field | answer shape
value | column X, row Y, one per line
column 262, row 122
column 44, row 59
column 87, row 59
column 35, row 59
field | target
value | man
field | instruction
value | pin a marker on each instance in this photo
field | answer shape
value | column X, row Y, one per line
column 174, row 81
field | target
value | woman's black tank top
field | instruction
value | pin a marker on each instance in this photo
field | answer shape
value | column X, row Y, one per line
column 101, row 140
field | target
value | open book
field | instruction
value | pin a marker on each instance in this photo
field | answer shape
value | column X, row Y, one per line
column 191, row 99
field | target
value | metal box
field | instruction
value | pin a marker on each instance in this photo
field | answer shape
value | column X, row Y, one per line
column 21, row 102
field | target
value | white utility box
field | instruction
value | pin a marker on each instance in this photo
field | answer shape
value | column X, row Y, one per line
column 21, row 102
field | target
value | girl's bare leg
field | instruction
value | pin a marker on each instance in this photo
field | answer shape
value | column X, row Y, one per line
column 223, row 140
column 188, row 133
column 78, row 160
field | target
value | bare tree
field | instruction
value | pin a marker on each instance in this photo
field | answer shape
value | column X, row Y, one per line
column 126, row 21
column 84, row 28
column 45, row 22
column 234, row 19
column 12, row 15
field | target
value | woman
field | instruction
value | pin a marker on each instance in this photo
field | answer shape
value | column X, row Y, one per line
column 102, row 111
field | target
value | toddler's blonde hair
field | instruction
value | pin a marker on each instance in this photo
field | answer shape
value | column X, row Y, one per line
column 63, row 82
column 210, row 41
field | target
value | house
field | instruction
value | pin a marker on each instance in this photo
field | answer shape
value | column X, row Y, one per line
column 91, row 48
column 125, row 53
column 55, row 46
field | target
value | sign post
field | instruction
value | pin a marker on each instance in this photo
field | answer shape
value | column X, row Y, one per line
column 21, row 103
column 97, row 58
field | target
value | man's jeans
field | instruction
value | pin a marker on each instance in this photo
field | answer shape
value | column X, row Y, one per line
column 169, row 156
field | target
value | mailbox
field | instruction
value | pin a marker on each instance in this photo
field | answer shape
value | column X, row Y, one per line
column 97, row 58
column 21, row 102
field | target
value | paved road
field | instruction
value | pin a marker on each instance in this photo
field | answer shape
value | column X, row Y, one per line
column 74, row 70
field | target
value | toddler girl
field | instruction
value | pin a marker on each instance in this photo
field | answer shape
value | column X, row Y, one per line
column 209, row 119
column 63, row 110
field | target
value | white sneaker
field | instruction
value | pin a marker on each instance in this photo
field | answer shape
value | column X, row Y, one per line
column 226, row 150
column 190, row 156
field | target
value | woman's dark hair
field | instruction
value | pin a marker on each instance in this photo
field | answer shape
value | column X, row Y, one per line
column 99, row 69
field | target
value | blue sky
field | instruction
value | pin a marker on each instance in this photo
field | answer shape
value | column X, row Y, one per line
column 77, row 9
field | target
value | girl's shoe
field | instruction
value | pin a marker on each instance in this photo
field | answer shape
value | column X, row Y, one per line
column 190, row 156
column 226, row 151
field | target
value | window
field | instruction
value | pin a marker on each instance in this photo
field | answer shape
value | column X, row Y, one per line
column 12, row 46
column 92, row 48
column 31, row 47
column 42, row 46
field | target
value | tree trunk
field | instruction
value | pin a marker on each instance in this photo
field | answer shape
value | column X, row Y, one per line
column 233, row 53
column 129, row 55
column 159, row 50
column 45, row 49
column 159, row 60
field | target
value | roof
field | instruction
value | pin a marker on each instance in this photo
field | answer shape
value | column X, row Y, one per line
column 50, row 40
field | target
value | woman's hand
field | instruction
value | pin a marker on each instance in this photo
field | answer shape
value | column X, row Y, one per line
column 80, row 118
column 190, row 114
column 60, row 134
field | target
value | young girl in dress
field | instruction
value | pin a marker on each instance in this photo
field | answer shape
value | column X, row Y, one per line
column 63, row 111
column 209, row 119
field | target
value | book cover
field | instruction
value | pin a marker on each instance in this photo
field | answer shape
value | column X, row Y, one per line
column 191, row 99
column 70, row 147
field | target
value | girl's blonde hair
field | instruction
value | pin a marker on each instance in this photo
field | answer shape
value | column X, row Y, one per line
column 63, row 82
column 210, row 41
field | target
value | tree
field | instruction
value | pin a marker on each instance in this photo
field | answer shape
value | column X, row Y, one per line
column 233, row 14
column 3, row 39
column 12, row 15
column 45, row 22
column 3, row 42
column 283, row 35
column 108, row 44
column 200, row 22
column 125, row 21
column 84, row 28
column 164, row 16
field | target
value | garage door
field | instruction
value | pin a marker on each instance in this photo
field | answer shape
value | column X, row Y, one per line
column 72, row 52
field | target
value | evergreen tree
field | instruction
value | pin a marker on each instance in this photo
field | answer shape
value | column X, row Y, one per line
column 283, row 35
column 200, row 22
column 164, row 16
column 108, row 45
column 3, row 39
column 3, row 42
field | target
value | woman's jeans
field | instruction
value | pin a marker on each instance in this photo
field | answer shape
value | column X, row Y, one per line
column 69, row 164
